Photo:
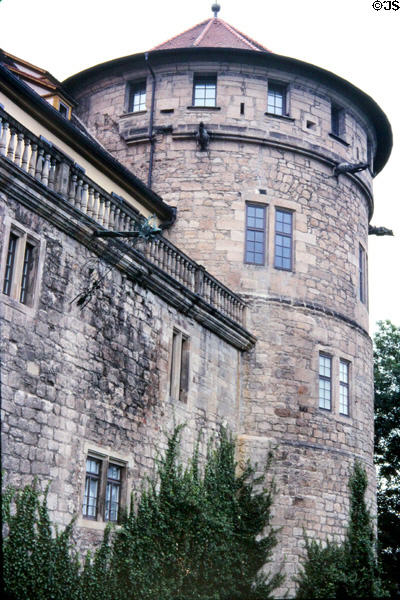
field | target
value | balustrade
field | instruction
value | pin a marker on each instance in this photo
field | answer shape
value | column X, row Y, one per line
column 57, row 172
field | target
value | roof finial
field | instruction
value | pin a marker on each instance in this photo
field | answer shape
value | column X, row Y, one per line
column 215, row 8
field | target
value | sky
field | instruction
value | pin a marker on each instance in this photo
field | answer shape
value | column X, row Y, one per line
column 348, row 37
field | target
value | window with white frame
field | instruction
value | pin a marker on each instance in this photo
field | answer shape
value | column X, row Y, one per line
column 325, row 381
column 283, row 239
column 137, row 96
column 20, row 268
column 344, row 387
column 179, row 374
column 104, row 480
column 205, row 90
column 276, row 98
column 255, row 234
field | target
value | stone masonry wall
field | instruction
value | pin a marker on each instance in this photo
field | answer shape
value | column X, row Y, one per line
column 98, row 379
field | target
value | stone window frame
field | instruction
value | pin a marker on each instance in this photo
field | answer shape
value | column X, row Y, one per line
column 337, row 357
column 322, row 377
column 105, row 458
column 179, row 368
column 362, row 274
column 206, row 75
column 338, row 121
column 290, row 236
column 344, row 385
column 264, row 206
column 133, row 87
column 285, row 88
column 25, row 237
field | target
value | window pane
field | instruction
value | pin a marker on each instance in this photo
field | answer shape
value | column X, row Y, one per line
column 27, row 273
column 204, row 91
column 8, row 276
column 255, row 234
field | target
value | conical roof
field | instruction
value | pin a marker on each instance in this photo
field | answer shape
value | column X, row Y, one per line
column 212, row 33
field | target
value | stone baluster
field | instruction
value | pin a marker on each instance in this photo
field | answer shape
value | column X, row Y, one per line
column 106, row 219
column 11, row 144
column 32, row 162
column 117, row 219
column 18, row 149
column 96, row 206
column 164, row 256
column 199, row 280
column 111, row 220
column 72, row 189
column 25, row 155
column 46, row 170
column 79, row 194
column 84, row 198
column 52, row 174
column 39, row 165
column 90, row 204
column 3, row 139
column 100, row 210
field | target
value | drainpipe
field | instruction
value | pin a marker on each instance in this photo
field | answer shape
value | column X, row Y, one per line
column 151, row 136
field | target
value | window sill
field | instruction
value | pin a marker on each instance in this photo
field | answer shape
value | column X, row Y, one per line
column 94, row 524
column 283, row 117
column 203, row 108
column 131, row 114
column 339, row 139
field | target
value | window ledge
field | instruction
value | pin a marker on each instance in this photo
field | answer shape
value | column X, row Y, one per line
column 283, row 117
column 130, row 114
column 338, row 139
column 203, row 107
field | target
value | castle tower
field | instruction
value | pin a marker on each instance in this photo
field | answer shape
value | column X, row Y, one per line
column 263, row 205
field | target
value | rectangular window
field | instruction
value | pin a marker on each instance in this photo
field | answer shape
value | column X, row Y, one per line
column 137, row 97
column 343, row 387
column 362, row 274
column 21, row 266
column 337, row 120
column 283, row 239
column 325, row 382
column 10, row 262
column 276, row 99
column 179, row 376
column 205, row 90
column 103, row 488
column 113, row 492
column 92, row 482
column 255, row 234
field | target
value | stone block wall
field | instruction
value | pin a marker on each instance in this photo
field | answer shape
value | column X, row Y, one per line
column 98, row 379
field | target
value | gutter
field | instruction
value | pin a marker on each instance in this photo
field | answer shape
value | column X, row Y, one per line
column 151, row 123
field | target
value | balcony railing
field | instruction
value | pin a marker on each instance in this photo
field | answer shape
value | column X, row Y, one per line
column 39, row 159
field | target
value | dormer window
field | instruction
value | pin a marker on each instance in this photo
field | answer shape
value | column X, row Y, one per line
column 205, row 90
column 137, row 97
column 276, row 98
column 63, row 109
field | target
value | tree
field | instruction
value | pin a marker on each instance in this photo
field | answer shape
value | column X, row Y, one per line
column 348, row 570
column 387, row 445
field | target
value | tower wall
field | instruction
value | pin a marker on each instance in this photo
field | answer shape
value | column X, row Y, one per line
column 279, row 162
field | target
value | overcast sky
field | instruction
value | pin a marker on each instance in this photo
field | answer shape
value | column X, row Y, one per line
column 347, row 37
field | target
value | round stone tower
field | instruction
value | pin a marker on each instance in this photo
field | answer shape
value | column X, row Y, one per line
column 270, row 162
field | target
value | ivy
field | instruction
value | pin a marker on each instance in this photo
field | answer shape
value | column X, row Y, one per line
column 199, row 532
column 348, row 570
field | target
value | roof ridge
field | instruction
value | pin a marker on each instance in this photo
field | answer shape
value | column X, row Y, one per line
column 181, row 33
column 245, row 38
column 202, row 34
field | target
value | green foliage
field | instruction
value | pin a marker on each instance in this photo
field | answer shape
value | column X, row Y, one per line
column 38, row 565
column 196, row 534
column 349, row 570
column 387, row 446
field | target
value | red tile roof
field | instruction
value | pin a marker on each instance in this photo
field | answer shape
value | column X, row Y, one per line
column 212, row 33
